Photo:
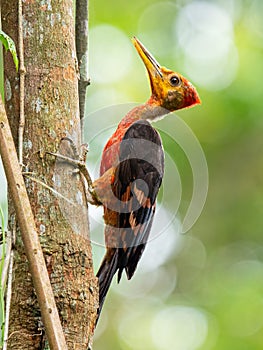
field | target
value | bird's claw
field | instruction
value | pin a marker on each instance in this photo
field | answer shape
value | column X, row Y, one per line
column 94, row 200
column 79, row 162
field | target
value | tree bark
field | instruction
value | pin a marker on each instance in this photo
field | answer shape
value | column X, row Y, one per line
column 51, row 112
column 82, row 53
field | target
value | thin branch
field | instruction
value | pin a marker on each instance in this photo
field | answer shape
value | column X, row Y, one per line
column 29, row 236
column 56, row 193
column 22, row 73
column 81, row 33
column 91, row 196
column 7, row 260
column 8, row 299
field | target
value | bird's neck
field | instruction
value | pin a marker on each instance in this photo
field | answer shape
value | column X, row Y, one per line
column 151, row 110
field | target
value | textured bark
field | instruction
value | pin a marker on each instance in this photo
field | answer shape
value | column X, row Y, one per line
column 82, row 52
column 51, row 110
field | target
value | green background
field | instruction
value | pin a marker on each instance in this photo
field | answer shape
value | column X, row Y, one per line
column 202, row 289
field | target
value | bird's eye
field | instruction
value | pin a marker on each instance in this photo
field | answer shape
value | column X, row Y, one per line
column 174, row 80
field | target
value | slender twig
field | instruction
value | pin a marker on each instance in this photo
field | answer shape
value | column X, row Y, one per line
column 10, row 254
column 56, row 193
column 22, row 73
column 29, row 236
column 2, row 267
column 81, row 35
column 81, row 165
column 7, row 260
column 8, row 299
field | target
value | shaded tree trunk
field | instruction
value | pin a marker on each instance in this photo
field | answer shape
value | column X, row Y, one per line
column 51, row 111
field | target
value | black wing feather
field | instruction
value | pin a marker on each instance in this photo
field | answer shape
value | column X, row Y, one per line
column 138, row 178
column 141, row 168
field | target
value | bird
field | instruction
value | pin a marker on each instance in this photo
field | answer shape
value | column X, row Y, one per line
column 132, row 169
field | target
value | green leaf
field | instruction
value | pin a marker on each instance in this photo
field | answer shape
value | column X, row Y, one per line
column 9, row 45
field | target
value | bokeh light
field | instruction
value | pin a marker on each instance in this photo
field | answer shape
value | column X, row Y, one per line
column 245, row 316
column 179, row 327
column 164, row 13
column 254, row 18
column 202, row 290
column 205, row 34
column 108, row 42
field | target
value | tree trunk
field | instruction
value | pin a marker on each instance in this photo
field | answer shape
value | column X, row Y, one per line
column 51, row 112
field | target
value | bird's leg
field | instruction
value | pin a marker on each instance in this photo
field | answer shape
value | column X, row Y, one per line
column 79, row 161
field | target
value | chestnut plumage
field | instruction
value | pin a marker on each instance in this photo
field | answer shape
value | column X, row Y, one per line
column 131, row 172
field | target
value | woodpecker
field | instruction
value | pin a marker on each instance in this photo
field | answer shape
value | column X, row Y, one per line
column 131, row 172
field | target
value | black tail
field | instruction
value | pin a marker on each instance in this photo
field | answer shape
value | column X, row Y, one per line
column 105, row 274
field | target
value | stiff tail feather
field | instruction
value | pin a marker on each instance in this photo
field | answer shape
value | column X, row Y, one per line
column 105, row 274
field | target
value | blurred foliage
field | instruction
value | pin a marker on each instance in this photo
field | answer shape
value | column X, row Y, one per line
column 201, row 290
column 207, row 293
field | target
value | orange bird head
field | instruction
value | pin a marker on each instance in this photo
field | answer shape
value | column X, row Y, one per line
column 170, row 90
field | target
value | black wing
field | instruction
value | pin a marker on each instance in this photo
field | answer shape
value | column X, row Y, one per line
column 138, row 178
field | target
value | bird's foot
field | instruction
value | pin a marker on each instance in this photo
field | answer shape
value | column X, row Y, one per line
column 79, row 161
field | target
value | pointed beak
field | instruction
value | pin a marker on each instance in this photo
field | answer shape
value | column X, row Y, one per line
column 150, row 62
column 170, row 97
